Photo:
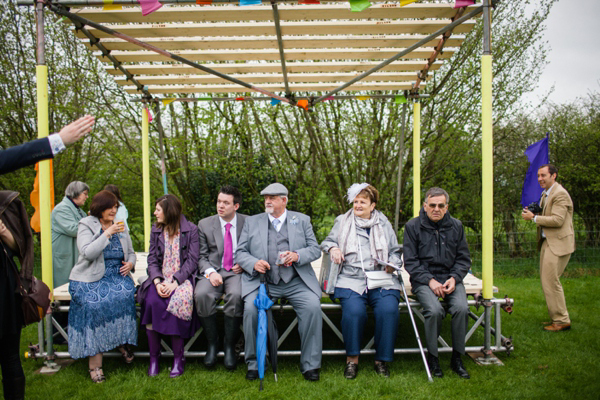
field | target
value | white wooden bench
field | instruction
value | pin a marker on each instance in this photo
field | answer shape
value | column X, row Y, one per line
column 472, row 284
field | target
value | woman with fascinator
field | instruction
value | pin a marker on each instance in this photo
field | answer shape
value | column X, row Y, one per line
column 356, row 239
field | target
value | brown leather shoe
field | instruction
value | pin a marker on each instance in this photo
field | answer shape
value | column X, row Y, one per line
column 557, row 327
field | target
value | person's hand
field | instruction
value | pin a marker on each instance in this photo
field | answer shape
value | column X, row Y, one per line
column 527, row 215
column 126, row 267
column 114, row 228
column 335, row 253
column 237, row 269
column 165, row 289
column 449, row 285
column 289, row 258
column 437, row 288
column 76, row 130
column 215, row 279
column 389, row 269
column 7, row 237
column 261, row 266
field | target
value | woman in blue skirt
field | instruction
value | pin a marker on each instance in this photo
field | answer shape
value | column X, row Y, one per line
column 102, row 312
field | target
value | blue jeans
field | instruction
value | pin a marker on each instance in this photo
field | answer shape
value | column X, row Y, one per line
column 354, row 316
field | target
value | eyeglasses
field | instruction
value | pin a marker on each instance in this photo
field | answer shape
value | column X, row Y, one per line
column 441, row 206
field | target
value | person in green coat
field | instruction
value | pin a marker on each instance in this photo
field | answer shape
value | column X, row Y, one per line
column 65, row 221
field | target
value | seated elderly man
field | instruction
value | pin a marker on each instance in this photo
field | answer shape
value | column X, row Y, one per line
column 282, row 244
column 436, row 256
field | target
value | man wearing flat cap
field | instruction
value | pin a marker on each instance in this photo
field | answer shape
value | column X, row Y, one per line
column 288, row 236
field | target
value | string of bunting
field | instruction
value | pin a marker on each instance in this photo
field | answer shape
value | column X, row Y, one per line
column 398, row 99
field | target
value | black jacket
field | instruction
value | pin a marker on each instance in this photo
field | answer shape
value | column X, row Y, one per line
column 437, row 251
column 24, row 154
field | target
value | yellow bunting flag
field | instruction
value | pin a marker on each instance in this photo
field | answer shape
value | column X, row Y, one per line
column 405, row 2
column 34, row 197
column 109, row 6
column 363, row 97
column 166, row 102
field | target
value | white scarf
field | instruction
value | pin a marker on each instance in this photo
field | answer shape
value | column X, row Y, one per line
column 349, row 239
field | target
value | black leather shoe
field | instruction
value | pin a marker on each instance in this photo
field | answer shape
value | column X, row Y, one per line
column 311, row 375
column 457, row 366
column 434, row 366
column 382, row 369
column 351, row 370
column 252, row 375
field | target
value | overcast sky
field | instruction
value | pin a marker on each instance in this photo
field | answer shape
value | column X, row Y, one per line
column 574, row 59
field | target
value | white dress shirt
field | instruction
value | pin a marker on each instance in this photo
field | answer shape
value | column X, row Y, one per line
column 547, row 191
column 233, row 232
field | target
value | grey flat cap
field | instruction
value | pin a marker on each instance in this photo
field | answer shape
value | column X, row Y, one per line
column 274, row 189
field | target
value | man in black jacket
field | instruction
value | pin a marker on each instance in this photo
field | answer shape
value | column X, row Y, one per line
column 437, row 258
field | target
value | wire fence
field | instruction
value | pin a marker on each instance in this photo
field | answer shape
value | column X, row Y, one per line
column 515, row 244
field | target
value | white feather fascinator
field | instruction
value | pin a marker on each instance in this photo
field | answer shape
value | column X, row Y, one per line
column 354, row 190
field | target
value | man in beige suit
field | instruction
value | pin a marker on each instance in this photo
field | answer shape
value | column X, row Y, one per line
column 556, row 242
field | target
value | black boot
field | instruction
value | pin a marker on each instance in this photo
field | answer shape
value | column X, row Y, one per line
column 232, row 334
column 212, row 340
column 457, row 366
column 434, row 366
column 14, row 389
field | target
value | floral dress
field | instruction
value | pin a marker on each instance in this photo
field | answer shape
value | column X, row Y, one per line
column 102, row 314
column 181, row 303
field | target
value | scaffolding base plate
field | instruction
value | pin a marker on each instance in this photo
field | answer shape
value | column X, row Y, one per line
column 481, row 359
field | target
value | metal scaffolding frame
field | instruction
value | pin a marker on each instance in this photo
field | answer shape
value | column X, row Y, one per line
column 60, row 7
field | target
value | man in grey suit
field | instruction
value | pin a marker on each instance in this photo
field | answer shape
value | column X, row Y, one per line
column 282, row 244
column 219, row 275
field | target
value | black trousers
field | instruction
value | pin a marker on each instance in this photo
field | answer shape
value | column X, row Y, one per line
column 10, row 359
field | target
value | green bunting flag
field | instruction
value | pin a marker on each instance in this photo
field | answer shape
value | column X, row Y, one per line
column 400, row 99
column 359, row 5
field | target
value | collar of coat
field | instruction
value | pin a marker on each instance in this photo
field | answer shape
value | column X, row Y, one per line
column 443, row 224
column 184, row 225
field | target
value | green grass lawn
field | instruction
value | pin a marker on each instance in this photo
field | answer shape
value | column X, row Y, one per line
column 543, row 364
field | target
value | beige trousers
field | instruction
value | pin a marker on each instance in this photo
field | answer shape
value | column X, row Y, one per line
column 551, row 269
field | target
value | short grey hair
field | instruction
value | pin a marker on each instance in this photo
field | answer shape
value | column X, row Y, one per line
column 75, row 188
column 436, row 191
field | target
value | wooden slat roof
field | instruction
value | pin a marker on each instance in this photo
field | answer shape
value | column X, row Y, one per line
column 324, row 45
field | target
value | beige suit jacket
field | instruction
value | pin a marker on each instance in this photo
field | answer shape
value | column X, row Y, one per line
column 557, row 221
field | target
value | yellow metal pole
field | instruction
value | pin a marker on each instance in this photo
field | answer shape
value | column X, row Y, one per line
column 487, row 169
column 146, row 178
column 416, row 158
column 44, row 170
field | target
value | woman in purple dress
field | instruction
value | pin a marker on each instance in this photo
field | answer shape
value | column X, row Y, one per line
column 166, row 296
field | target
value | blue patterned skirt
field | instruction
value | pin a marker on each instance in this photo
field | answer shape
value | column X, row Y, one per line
column 102, row 314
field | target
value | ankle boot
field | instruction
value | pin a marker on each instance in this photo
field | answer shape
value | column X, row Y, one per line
column 212, row 340
column 178, row 358
column 154, row 349
column 232, row 334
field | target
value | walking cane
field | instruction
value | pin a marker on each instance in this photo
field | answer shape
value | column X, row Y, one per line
column 412, row 318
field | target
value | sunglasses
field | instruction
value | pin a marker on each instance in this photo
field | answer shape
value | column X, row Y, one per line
column 441, row 206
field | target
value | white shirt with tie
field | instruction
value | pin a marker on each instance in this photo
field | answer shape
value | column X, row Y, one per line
column 233, row 232
column 547, row 192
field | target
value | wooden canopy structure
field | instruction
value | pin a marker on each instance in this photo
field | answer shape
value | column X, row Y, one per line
column 282, row 50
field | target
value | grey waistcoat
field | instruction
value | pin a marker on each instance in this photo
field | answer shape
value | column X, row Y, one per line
column 279, row 241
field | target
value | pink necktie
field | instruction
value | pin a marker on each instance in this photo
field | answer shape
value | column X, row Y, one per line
column 228, row 249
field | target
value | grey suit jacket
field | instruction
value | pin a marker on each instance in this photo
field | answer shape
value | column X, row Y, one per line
column 211, row 242
column 91, row 243
column 253, row 246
